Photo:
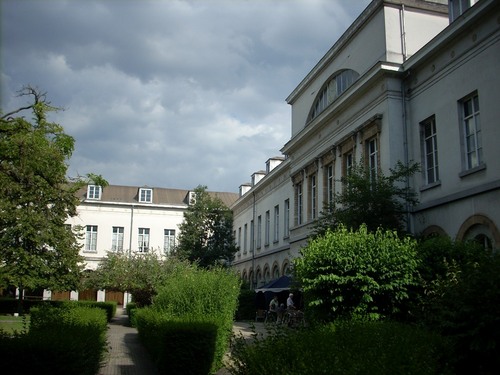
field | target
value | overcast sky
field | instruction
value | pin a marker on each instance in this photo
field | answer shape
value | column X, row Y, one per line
column 167, row 93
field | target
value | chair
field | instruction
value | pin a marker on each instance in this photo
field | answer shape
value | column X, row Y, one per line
column 261, row 314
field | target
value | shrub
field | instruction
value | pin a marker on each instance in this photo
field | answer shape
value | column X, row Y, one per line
column 348, row 273
column 460, row 299
column 177, row 347
column 60, row 341
column 198, row 295
column 346, row 348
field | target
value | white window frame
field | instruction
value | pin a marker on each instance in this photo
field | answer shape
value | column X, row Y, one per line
column 300, row 203
column 428, row 134
column 313, row 196
column 145, row 195
column 143, row 240
column 117, row 237
column 372, row 156
column 168, row 241
column 259, row 231
column 471, row 132
column 94, row 192
column 91, row 238
column 286, row 219
column 267, row 228
column 276, row 223
column 330, row 184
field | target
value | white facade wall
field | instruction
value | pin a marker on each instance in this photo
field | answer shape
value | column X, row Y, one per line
column 412, row 65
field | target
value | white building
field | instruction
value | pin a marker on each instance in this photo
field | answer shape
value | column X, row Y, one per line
column 128, row 219
column 408, row 81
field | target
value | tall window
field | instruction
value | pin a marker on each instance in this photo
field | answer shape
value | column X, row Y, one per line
column 276, row 223
column 267, row 228
column 349, row 162
column 168, row 241
column 313, row 197
column 245, row 238
column 91, row 238
column 117, row 239
column 329, row 185
column 145, row 195
column 429, row 150
column 94, row 192
column 143, row 240
column 372, row 158
column 259, row 232
column 252, row 236
column 457, row 7
column 299, row 203
column 286, row 219
column 472, row 132
column 239, row 238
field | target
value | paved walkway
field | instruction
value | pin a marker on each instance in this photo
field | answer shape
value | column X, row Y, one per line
column 127, row 356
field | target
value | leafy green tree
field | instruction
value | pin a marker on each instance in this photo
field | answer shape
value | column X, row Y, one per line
column 206, row 235
column 140, row 274
column 36, row 198
column 380, row 201
column 356, row 273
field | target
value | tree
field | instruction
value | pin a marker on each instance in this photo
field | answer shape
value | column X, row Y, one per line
column 206, row 235
column 36, row 198
column 357, row 273
column 380, row 201
column 140, row 274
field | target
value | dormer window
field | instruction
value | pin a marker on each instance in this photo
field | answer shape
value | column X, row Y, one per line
column 339, row 83
column 145, row 195
column 191, row 197
column 94, row 192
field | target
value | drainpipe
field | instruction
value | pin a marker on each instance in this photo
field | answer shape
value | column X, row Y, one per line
column 131, row 230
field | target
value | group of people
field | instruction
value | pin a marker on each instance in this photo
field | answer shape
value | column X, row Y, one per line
column 277, row 310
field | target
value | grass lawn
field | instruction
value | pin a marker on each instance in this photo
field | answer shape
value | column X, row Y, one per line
column 11, row 323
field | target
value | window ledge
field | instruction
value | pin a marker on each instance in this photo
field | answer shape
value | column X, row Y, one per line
column 468, row 172
column 430, row 186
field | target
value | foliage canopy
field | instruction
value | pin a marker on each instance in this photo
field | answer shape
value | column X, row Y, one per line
column 356, row 273
column 36, row 197
column 206, row 235
column 380, row 201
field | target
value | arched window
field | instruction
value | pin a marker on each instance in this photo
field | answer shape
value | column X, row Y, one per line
column 334, row 87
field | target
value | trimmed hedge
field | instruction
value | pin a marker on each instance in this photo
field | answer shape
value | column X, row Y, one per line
column 344, row 348
column 10, row 306
column 60, row 341
column 177, row 347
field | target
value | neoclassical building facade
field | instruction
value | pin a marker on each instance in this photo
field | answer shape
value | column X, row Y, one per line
column 409, row 81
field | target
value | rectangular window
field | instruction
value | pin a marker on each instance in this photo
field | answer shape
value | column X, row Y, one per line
column 472, row 132
column 313, row 197
column 299, row 204
column 329, row 185
column 143, row 245
column 286, row 219
column 276, row 223
column 259, row 232
column 94, row 192
column 348, row 163
column 145, row 195
column 267, row 228
column 91, row 238
column 239, row 238
column 429, row 150
column 245, row 238
column 168, row 241
column 372, row 158
column 457, row 7
column 252, row 236
column 117, row 239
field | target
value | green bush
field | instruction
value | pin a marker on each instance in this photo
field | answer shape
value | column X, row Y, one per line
column 346, row 348
column 348, row 273
column 246, row 305
column 177, row 347
column 198, row 295
column 460, row 298
column 59, row 341
column 131, row 309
